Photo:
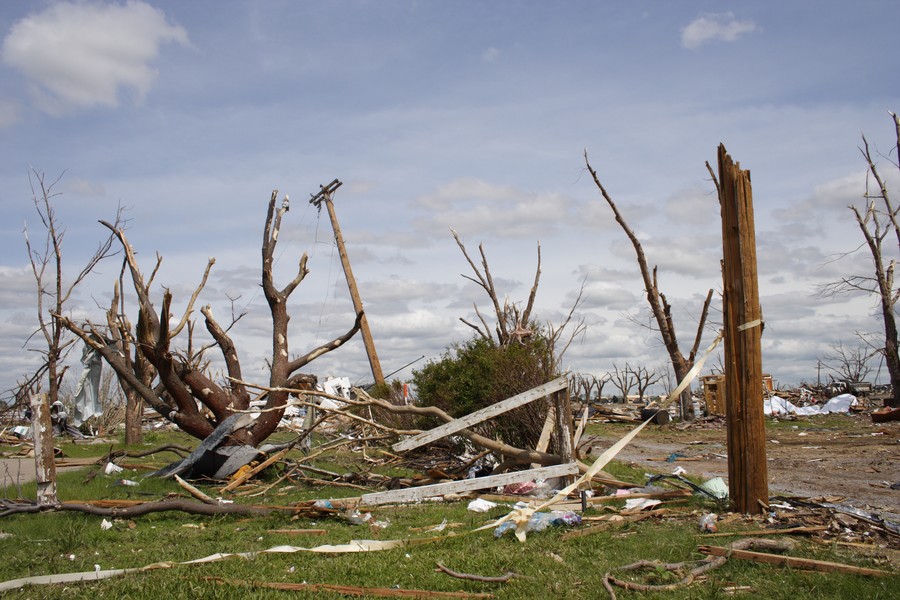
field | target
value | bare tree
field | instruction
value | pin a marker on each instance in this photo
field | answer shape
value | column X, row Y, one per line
column 659, row 306
column 514, row 324
column 877, row 220
column 588, row 386
column 644, row 378
column 54, row 291
column 182, row 379
column 849, row 363
column 624, row 380
column 122, row 337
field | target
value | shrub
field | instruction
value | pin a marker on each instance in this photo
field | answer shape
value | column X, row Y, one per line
column 479, row 373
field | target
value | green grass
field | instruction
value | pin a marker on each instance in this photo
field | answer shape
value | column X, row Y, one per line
column 548, row 565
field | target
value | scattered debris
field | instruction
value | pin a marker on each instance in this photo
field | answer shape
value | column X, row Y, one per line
column 776, row 406
column 415, row 494
column 708, row 523
column 885, row 415
column 694, row 568
column 540, row 521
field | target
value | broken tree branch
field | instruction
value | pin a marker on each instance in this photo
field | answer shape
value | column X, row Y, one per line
column 144, row 508
column 702, row 566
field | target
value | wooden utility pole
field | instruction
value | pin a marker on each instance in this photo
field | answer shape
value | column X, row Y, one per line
column 745, row 423
column 324, row 196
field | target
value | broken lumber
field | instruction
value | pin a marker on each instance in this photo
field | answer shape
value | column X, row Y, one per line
column 251, row 472
column 546, row 432
column 790, row 561
column 298, row 531
column 484, row 414
column 789, row 530
column 464, row 485
column 194, row 491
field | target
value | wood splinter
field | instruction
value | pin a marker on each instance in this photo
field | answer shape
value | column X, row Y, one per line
column 500, row 579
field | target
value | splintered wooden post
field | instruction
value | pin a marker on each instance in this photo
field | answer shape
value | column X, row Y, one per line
column 562, row 408
column 744, row 419
column 45, row 466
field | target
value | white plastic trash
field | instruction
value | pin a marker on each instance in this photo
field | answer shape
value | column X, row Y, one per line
column 717, row 487
column 481, row 505
column 112, row 468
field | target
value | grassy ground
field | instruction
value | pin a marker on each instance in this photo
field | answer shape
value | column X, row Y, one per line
column 547, row 563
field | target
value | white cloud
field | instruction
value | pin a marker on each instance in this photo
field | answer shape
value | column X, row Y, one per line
column 475, row 207
column 10, row 113
column 607, row 295
column 466, row 188
column 83, row 187
column 715, row 27
column 693, row 206
column 79, row 55
column 490, row 55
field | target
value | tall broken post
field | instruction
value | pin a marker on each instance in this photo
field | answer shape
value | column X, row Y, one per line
column 324, row 196
column 561, row 403
column 44, row 463
column 745, row 423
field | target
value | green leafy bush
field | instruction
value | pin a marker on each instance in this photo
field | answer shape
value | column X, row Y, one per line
column 479, row 373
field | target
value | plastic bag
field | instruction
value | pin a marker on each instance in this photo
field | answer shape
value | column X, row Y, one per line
column 541, row 521
column 708, row 523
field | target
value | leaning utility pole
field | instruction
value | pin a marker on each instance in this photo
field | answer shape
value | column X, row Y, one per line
column 744, row 421
column 324, row 195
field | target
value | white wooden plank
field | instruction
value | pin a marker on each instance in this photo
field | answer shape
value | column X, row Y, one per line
column 464, row 485
column 581, row 426
column 544, row 440
column 481, row 415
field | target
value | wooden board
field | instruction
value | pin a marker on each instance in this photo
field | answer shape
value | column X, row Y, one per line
column 464, row 485
column 481, row 415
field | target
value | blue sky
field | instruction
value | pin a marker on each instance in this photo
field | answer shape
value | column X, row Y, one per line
column 471, row 115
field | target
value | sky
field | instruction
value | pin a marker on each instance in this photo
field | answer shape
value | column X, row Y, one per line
column 474, row 116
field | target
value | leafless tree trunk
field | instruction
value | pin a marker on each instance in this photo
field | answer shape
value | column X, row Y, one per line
column 513, row 323
column 659, row 306
column 624, row 380
column 182, row 380
column 53, row 294
column 644, row 378
column 849, row 363
column 878, row 220
column 121, row 336
column 588, row 386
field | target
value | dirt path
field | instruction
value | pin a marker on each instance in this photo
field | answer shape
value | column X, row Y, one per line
column 846, row 457
column 19, row 471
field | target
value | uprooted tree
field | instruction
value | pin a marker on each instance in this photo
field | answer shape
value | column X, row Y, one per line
column 181, row 378
column 659, row 306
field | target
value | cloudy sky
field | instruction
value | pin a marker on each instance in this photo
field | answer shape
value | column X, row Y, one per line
column 470, row 115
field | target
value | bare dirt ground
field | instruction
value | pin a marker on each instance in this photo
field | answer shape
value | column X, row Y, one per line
column 845, row 458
